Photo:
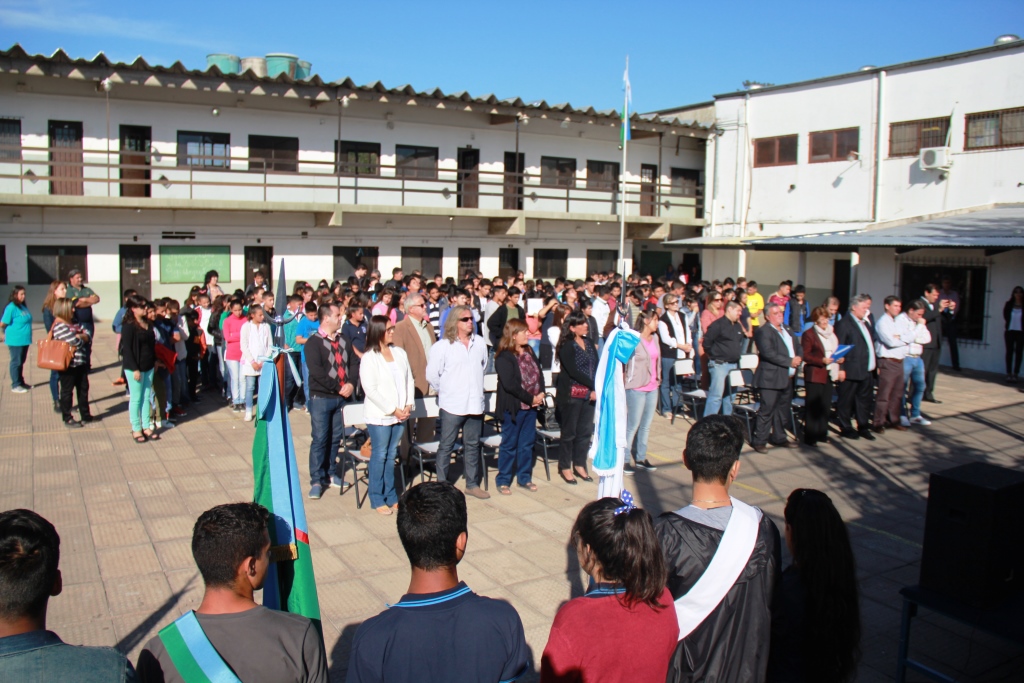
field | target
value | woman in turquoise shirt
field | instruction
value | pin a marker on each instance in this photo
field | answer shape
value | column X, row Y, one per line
column 16, row 331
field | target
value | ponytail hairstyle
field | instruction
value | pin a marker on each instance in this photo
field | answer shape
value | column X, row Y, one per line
column 621, row 538
column 821, row 552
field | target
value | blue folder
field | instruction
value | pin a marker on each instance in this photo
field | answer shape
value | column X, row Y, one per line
column 841, row 351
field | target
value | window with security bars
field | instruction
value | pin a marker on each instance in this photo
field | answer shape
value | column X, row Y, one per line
column 425, row 260
column 10, row 139
column 834, row 145
column 602, row 175
column 908, row 138
column 602, row 260
column 969, row 281
column 270, row 153
column 557, row 172
column 46, row 264
column 415, row 162
column 469, row 259
column 550, row 262
column 204, row 150
column 356, row 158
column 994, row 129
column 777, row 151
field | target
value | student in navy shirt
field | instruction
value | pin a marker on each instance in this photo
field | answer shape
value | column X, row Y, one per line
column 440, row 630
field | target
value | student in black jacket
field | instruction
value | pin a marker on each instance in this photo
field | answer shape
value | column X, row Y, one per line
column 509, row 311
column 575, row 396
column 723, row 344
column 138, row 358
column 856, row 394
column 933, row 349
column 520, row 395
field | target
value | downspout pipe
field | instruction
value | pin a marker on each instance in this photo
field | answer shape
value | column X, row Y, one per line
column 876, row 200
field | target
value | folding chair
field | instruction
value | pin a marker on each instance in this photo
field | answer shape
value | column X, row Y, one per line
column 492, row 442
column 426, row 407
column 682, row 368
column 748, row 411
column 352, row 414
column 548, row 437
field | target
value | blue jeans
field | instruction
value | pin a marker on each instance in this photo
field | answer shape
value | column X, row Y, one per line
column 305, row 382
column 54, row 385
column 327, row 428
column 639, row 413
column 250, row 389
column 139, row 399
column 236, row 384
column 471, row 426
column 17, row 371
column 384, row 449
column 669, row 385
column 515, row 455
column 719, row 396
column 180, row 381
column 913, row 371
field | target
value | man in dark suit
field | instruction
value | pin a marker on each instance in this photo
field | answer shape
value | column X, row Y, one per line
column 856, row 392
column 779, row 359
column 933, row 349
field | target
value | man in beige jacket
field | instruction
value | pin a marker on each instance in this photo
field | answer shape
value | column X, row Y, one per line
column 415, row 335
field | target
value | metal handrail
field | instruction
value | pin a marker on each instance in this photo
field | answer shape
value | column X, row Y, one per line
column 445, row 181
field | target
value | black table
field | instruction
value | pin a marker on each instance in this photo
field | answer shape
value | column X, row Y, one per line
column 1005, row 620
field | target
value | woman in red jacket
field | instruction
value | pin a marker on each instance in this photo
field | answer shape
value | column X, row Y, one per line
column 820, row 374
column 625, row 628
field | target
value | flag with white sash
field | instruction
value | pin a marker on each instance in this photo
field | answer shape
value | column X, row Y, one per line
column 192, row 653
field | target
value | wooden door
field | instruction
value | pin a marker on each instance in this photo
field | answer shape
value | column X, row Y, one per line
column 135, row 174
column 648, row 189
column 841, row 281
column 135, row 271
column 469, row 179
column 259, row 259
column 513, row 185
column 508, row 262
column 66, row 158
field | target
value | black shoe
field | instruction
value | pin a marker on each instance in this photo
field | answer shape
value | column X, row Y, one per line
column 786, row 444
column 91, row 418
column 628, row 470
column 73, row 423
column 570, row 482
column 56, row 407
column 646, row 465
column 866, row 434
column 584, row 477
column 760, row 448
column 850, row 434
column 932, row 399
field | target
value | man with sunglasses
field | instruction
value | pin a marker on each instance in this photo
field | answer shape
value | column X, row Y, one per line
column 455, row 371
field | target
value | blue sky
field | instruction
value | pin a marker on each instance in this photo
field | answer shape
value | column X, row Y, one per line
column 680, row 52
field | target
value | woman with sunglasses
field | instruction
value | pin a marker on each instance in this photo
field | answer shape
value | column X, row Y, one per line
column 387, row 382
column 575, row 396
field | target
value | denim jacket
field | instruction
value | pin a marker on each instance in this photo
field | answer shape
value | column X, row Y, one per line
column 39, row 656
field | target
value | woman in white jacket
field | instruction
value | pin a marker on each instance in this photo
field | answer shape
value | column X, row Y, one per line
column 255, row 345
column 388, row 385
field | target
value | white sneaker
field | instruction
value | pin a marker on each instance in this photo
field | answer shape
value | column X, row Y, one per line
column 20, row 390
column 920, row 421
column 248, row 416
column 904, row 422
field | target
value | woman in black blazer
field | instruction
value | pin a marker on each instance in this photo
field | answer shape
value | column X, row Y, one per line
column 1013, row 315
column 520, row 394
column 575, row 397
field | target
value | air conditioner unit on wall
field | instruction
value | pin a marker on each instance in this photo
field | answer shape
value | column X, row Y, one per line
column 935, row 158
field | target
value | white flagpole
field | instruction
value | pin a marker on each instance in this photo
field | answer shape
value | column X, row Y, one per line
column 622, row 195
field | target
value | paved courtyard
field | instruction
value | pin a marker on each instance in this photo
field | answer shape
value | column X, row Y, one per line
column 125, row 513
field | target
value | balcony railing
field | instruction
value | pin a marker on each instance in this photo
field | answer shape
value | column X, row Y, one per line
column 155, row 174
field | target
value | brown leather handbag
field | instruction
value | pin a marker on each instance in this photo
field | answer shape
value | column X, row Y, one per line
column 53, row 354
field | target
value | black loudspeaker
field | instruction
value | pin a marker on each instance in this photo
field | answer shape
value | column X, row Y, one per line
column 974, row 534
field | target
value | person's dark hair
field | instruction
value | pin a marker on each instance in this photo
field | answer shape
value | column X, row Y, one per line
column 224, row 536
column 626, row 547
column 822, row 554
column 751, row 283
column 253, row 309
column 514, row 291
column 310, row 307
column 431, row 516
column 1016, row 290
column 29, row 555
column 929, row 288
column 818, row 312
column 890, row 300
column 132, row 302
column 574, row 318
column 324, row 311
column 375, row 332
column 917, row 305
column 712, row 446
column 209, row 275
column 14, row 293
column 644, row 317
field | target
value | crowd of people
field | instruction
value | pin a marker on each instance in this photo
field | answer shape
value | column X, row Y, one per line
column 543, row 341
column 696, row 594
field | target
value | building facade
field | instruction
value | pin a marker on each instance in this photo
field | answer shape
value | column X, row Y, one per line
column 147, row 177
column 805, row 179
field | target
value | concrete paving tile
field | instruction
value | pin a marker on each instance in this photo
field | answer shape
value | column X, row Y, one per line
column 187, row 586
column 544, row 595
column 98, row 476
column 340, row 532
column 137, row 472
column 97, row 632
column 112, row 492
column 117, row 511
column 163, row 506
column 139, row 593
column 506, row 531
column 393, row 583
column 227, row 462
column 119, row 563
column 551, row 522
column 61, row 516
column 168, row 528
column 80, row 602
column 551, row 556
column 327, row 566
column 370, row 556
column 175, row 554
column 17, row 500
column 201, row 483
column 505, row 566
column 185, row 467
column 347, row 599
column 530, row 617
column 135, row 630
column 57, row 463
column 119, row 534
column 199, row 503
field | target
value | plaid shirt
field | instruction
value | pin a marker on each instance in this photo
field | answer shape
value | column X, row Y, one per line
column 69, row 333
column 327, row 360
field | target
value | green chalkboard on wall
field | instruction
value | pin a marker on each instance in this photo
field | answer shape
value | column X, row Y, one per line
column 181, row 264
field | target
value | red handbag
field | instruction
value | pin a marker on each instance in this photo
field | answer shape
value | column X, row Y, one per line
column 579, row 391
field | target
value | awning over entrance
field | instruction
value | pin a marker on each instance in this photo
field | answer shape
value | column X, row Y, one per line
column 995, row 228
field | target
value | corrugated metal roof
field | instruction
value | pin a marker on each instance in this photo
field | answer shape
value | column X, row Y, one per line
column 994, row 227
column 16, row 52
